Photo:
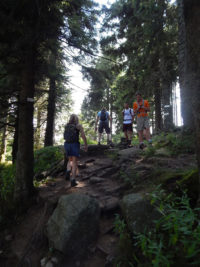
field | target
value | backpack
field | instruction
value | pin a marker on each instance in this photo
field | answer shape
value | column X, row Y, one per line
column 139, row 107
column 71, row 133
column 103, row 116
column 129, row 111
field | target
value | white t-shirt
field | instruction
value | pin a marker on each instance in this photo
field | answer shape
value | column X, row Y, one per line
column 128, row 114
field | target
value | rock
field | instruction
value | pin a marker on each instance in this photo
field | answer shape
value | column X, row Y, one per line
column 73, row 224
column 89, row 161
column 43, row 261
column 49, row 264
column 54, row 260
column 9, row 237
column 138, row 212
column 108, row 172
column 129, row 153
column 96, row 180
column 82, row 165
column 111, row 204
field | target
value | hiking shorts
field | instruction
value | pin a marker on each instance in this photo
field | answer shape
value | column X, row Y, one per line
column 72, row 149
column 104, row 125
column 142, row 123
column 127, row 127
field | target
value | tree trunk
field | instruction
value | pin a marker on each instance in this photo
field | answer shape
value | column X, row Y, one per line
column 51, row 108
column 49, row 134
column 3, row 143
column 190, row 64
column 186, row 96
column 38, row 128
column 158, row 113
column 15, row 139
column 167, row 106
column 24, row 164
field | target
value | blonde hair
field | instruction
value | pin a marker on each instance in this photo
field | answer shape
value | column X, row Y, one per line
column 73, row 119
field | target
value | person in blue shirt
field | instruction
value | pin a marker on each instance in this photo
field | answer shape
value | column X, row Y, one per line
column 103, row 118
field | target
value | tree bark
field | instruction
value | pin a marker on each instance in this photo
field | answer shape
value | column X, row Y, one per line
column 49, row 134
column 191, row 11
column 38, row 130
column 184, row 80
column 3, row 143
column 51, row 108
column 158, row 110
column 167, row 106
column 24, row 164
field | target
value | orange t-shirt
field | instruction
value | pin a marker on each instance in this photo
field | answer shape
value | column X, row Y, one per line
column 141, row 112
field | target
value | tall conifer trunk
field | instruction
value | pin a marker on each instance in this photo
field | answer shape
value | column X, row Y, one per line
column 51, row 108
column 158, row 114
column 25, row 159
column 186, row 96
column 192, row 26
column 3, row 143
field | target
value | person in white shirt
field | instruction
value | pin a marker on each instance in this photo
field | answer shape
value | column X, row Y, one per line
column 128, row 117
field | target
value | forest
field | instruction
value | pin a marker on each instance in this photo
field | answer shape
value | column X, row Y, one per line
column 126, row 46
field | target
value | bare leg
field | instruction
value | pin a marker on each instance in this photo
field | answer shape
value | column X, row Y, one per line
column 140, row 133
column 147, row 134
column 99, row 137
column 69, row 164
column 74, row 167
column 126, row 135
column 129, row 135
column 108, row 138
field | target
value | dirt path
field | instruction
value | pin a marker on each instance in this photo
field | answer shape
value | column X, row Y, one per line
column 98, row 180
column 26, row 244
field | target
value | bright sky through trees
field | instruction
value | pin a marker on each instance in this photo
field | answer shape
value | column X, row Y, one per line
column 80, row 86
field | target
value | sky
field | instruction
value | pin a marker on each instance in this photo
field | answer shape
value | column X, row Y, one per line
column 81, row 86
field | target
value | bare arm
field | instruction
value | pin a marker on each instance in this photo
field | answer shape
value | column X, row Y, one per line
column 83, row 137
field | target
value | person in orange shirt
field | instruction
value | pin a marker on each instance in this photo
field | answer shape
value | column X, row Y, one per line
column 141, row 108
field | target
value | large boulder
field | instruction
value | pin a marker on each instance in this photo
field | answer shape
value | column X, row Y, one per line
column 73, row 224
column 138, row 212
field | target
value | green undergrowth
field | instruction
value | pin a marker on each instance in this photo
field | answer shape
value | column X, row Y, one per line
column 46, row 157
column 7, row 178
column 173, row 241
column 181, row 142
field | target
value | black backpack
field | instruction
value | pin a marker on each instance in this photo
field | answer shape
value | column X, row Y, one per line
column 71, row 133
column 103, row 116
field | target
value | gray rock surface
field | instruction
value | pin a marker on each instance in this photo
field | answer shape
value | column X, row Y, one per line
column 138, row 212
column 73, row 224
column 129, row 153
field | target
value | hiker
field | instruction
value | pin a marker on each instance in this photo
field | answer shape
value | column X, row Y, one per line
column 141, row 108
column 103, row 118
column 72, row 147
column 128, row 117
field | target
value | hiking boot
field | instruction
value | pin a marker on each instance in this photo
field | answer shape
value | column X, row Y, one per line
column 67, row 175
column 74, row 183
column 129, row 143
column 110, row 143
column 142, row 146
column 150, row 142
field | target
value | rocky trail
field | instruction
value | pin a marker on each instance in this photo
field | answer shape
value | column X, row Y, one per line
column 26, row 243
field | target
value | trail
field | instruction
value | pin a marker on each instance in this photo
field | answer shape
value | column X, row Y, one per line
column 99, row 178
